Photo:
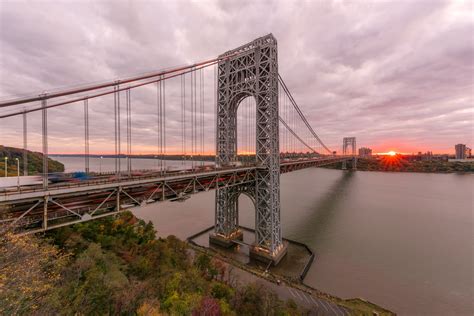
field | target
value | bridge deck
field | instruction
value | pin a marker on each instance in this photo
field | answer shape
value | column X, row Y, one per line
column 34, row 209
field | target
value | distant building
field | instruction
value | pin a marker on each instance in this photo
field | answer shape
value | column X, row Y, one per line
column 427, row 156
column 468, row 152
column 460, row 151
column 365, row 152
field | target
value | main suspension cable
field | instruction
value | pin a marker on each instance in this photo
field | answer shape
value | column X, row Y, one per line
column 298, row 110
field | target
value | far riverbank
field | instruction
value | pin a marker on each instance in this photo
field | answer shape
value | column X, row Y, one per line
column 399, row 164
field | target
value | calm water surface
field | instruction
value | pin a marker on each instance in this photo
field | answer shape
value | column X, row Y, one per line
column 402, row 240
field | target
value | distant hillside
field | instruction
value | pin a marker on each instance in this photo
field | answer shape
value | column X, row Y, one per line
column 35, row 162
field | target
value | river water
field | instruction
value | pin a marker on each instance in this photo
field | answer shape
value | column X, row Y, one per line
column 401, row 240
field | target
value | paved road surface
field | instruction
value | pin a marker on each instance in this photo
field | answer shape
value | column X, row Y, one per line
column 316, row 305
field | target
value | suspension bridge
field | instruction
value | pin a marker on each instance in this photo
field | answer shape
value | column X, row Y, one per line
column 236, row 108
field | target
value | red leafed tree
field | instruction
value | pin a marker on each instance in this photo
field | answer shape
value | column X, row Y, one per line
column 208, row 307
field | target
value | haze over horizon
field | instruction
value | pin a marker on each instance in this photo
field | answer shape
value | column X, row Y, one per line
column 398, row 76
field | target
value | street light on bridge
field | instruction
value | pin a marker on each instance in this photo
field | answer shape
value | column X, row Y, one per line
column 6, row 167
column 17, row 173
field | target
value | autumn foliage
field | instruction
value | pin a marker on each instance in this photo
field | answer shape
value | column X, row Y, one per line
column 117, row 266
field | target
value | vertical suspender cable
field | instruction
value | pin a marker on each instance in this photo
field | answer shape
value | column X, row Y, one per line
column 161, row 125
column 279, row 113
column 115, row 129
column 253, row 129
column 199, row 117
column 45, row 144
column 193, row 113
column 119, row 149
column 247, row 127
column 293, row 140
column 250, row 110
column 25, row 145
column 158, row 128
column 192, row 119
column 164, row 122
column 182, row 119
column 202, row 111
column 195, row 124
column 285, row 116
column 86, row 135
column 129, row 132
column 201, row 106
column 127, row 158
column 215, row 112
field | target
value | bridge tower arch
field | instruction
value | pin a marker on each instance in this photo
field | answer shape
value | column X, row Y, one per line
column 251, row 70
column 349, row 143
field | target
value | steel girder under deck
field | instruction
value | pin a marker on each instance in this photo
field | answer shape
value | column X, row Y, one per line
column 74, row 203
column 39, row 210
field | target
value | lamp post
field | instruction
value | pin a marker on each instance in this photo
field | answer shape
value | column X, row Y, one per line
column 6, row 167
column 100, row 165
column 17, row 173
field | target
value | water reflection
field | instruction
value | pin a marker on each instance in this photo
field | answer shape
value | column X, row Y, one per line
column 326, row 209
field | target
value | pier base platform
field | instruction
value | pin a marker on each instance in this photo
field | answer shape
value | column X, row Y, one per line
column 226, row 242
column 265, row 257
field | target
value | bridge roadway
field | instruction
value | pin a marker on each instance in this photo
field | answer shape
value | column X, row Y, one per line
column 32, row 209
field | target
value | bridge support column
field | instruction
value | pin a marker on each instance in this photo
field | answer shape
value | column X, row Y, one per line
column 349, row 142
column 251, row 70
column 226, row 227
column 119, row 190
column 45, row 212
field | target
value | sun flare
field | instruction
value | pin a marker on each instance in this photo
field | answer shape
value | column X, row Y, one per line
column 391, row 153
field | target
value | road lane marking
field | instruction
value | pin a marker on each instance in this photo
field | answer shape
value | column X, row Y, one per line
column 314, row 301
column 324, row 305
column 344, row 311
column 296, row 291
column 305, row 297
column 335, row 312
column 291, row 292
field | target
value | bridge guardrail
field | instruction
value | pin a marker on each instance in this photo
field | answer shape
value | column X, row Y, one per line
column 149, row 174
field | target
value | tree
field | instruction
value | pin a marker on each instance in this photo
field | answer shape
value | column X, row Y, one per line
column 29, row 271
column 95, row 283
column 256, row 300
column 207, row 307
column 221, row 291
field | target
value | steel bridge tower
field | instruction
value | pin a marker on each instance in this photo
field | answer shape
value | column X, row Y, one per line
column 349, row 142
column 250, row 70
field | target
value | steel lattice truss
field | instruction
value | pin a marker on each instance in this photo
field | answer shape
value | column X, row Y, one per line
column 349, row 142
column 252, row 72
column 36, row 210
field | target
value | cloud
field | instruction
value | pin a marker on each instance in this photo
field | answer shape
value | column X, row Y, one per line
column 391, row 74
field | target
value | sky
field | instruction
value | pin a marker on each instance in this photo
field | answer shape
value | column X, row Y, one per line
column 398, row 75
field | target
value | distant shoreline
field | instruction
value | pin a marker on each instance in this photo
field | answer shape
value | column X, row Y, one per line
column 162, row 157
column 396, row 165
